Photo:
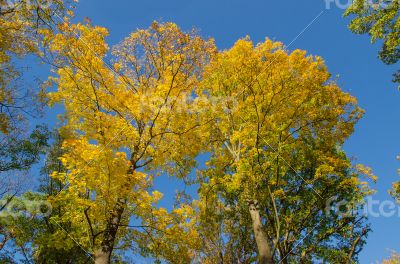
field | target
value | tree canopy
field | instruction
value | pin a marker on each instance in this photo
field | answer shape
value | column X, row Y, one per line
column 278, row 161
column 256, row 130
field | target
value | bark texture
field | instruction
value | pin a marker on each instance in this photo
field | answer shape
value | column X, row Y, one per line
column 104, row 253
column 264, row 249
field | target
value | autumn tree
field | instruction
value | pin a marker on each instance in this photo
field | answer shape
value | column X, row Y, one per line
column 277, row 167
column 130, row 120
column 380, row 20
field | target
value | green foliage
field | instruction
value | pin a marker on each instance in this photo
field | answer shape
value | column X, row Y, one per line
column 20, row 153
column 380, row 21
column 29, row 225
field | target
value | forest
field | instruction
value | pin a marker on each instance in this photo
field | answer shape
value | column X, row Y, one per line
column 160, row 146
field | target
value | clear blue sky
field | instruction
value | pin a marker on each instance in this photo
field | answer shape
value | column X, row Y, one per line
column 376, row 140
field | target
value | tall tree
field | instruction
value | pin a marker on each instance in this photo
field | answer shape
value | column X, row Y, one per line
column 277, row 166
column 130, row 121
column 381, row 21
column 37, row 231
column 20, row 146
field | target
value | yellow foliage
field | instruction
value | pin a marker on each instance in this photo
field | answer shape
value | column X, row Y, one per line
column 129, row 120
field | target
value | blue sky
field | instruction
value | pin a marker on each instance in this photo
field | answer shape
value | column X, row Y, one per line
column 351, row 57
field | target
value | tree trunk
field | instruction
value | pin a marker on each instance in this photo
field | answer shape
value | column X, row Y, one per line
column 264, row 249
column 104, row 253
column 102, row 256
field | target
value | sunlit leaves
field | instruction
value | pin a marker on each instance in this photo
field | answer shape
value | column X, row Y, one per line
column 129, row 120
column 280, row 146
